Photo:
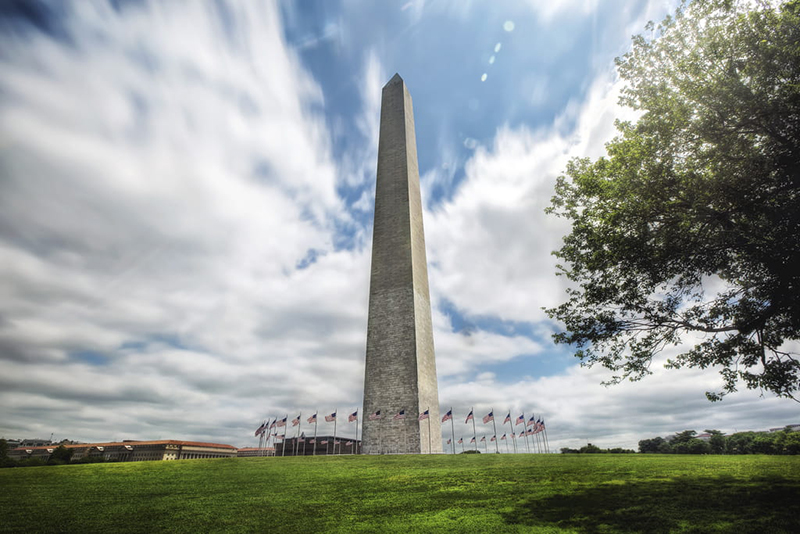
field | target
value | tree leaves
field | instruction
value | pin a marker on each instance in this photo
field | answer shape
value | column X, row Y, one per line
column 705, row 186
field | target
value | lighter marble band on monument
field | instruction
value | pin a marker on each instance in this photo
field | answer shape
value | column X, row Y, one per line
column 400, row 371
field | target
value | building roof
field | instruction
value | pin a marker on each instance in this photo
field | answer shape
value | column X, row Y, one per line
column 134, row 444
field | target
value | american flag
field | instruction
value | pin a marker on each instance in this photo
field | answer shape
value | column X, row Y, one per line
column 331, row 417
column 520, row 420
column 296, row 421
column 400, row 415
column 301, row 440
column 494, row 438
column 353, row 417
column 542, row 424
column 447, row 416
column 507, row 419
column 281, row 436
column 312, row 440
column 323, row 442
column 260, row 430
column 469, row 417
column 337, row 442
column 472, row 440
column 483, row 438
column 460, row 440
column 424, row 415
column 504, row 437
column 531, row 420
column 312, row 419
column 488, row 417
column 282, row 422
column 449, row 441
column 375, row 416
column 513, row 436
column 348, row 444
column 272, row 424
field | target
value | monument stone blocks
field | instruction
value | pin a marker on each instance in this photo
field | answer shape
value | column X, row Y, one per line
column 400, row 371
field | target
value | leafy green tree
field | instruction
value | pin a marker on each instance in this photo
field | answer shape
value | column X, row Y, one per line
column 701, row 193
column 651, row 445
column 791, row 443
column 684, row 437
column 61, row 455
column 740, row 443
column 590, row 449
column 716, row 442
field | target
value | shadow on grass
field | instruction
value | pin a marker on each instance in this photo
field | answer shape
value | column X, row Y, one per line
column 686, row 504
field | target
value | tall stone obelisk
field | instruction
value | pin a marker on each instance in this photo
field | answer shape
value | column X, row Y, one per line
column 400, row 369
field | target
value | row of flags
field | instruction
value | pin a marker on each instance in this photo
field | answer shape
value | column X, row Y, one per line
column 537, row 424
column 529, row 432
column 277, row 423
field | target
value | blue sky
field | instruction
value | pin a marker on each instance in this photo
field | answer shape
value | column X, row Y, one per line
column 186, row 194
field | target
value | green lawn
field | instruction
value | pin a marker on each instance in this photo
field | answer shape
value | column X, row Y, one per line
column 472, row 493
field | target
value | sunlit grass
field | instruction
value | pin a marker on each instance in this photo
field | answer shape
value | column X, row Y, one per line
column 479, row 493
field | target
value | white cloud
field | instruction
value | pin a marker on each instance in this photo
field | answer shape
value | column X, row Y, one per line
column 490, row 245
column 164, row 177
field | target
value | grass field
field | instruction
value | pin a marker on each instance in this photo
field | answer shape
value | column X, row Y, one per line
column 463, row 493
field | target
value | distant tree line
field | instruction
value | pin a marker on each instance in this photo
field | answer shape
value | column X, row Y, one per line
column 60, row 456
column 686, row 442
column 594, row 449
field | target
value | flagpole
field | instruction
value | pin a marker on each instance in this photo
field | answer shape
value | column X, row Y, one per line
column 462, row 444
column 335, row 420
column 507, row 449
column 546, row 441
column 305, row 441
column 525, row 431
column 316, row 422
column 266, row 441
column 297, row 439
column 283, row 441
column 453, row 430
column 494, row 427
column 474, row 432
column 380, row 434
column 511, row 424
column 536, row 436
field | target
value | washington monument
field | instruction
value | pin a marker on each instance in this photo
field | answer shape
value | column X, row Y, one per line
column 400, row 372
